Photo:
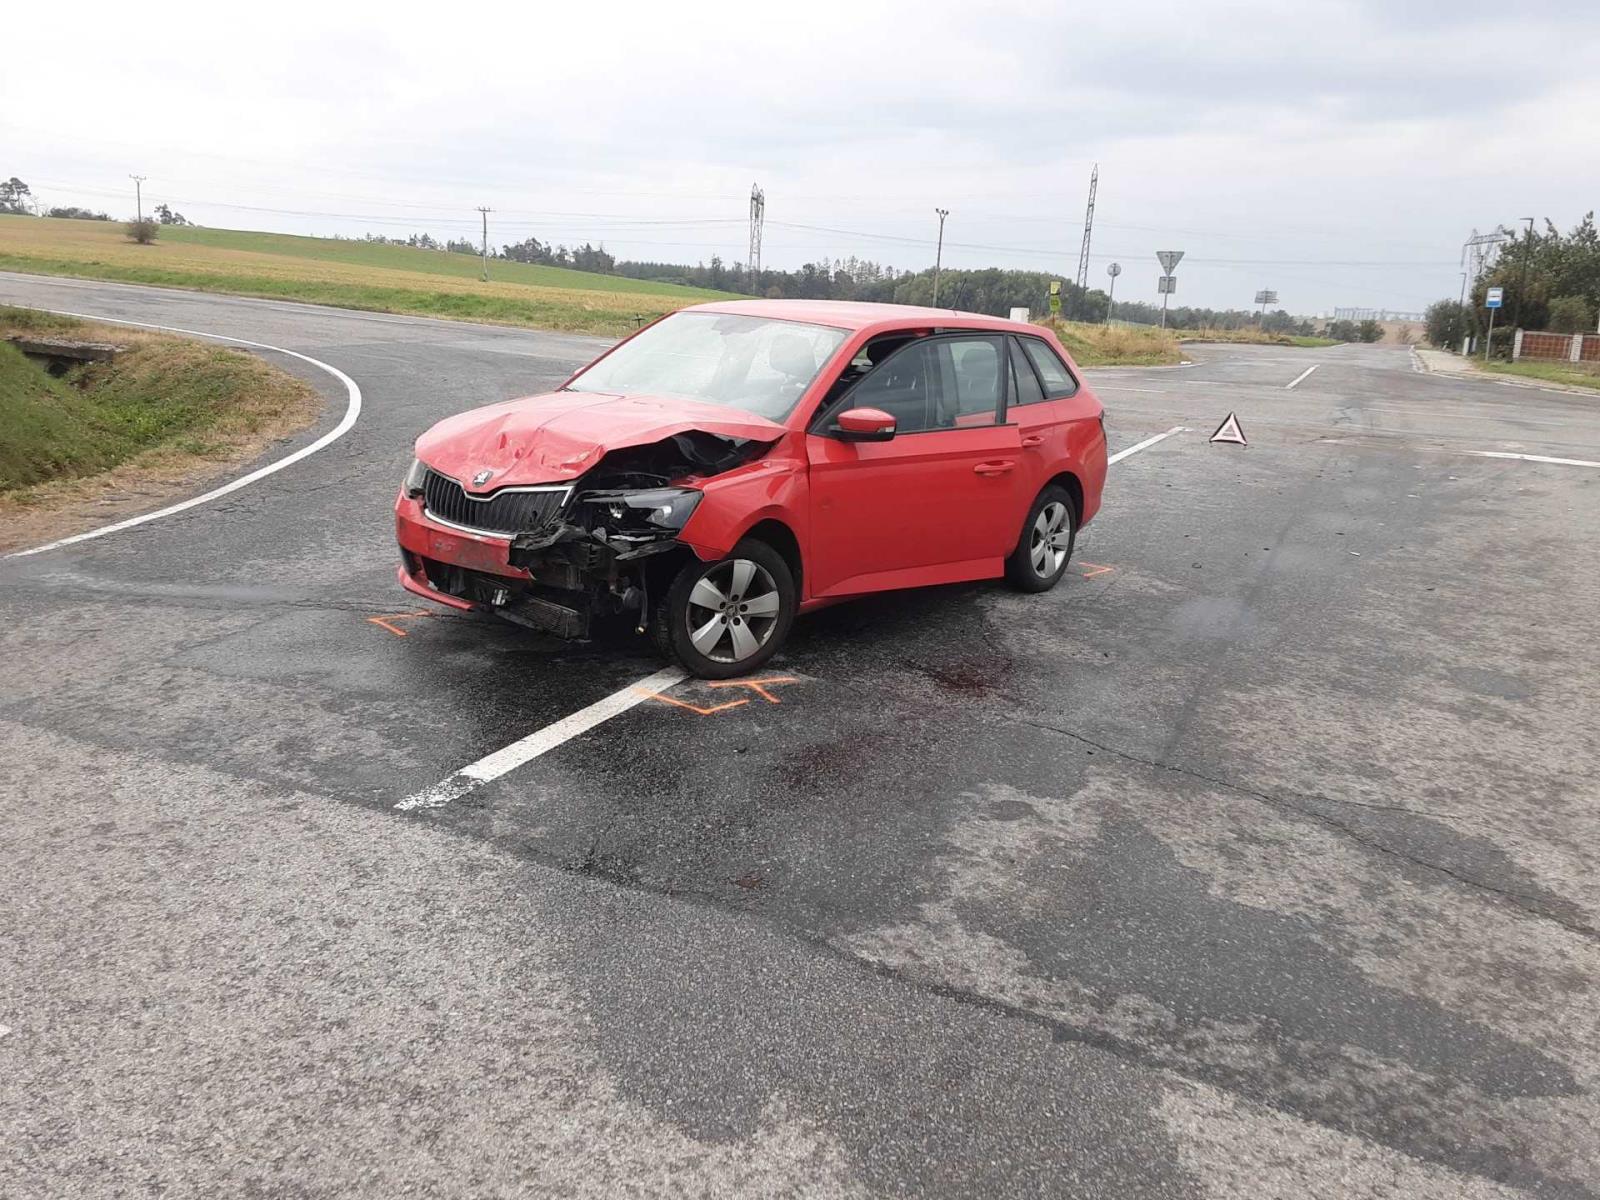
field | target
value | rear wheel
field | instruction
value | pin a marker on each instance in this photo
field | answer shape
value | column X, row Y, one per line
column 1045, row 546
column 729, row 617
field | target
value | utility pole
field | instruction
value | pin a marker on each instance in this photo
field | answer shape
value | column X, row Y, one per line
column 758, row 216
column 1088, row 230
column 938, row 258
column 485, row 212
column 1522, row 284
column 1113, row 270
column 138, row 195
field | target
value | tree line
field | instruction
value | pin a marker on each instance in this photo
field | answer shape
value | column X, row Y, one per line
column 1550, row 281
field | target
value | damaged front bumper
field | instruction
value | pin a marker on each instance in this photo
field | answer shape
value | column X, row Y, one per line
column 559, row 579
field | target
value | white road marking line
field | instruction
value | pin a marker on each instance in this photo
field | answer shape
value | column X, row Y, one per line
column 351, row 412
column 1145, row 445
column 509, row 758
column 1563, row 462
column 1301, row 377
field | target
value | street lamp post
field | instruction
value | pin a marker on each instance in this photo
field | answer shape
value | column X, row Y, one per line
column 1522, row 284
column 938, row 257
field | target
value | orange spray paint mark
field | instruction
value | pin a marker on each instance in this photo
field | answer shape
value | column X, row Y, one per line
column 386, row 621
column 1098, row 570
column 758, row 686
column 694, row 708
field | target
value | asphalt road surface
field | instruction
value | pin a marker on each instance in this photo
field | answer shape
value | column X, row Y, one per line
column 1257, row 859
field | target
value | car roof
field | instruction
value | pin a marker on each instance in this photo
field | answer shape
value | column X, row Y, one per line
column 855, row 315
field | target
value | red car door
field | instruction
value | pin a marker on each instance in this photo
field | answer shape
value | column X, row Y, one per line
column 937, row 503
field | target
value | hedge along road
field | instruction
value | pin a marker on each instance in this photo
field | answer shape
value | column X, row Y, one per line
column 1264, row 828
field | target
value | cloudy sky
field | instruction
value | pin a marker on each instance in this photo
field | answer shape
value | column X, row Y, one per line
column 1337, row 152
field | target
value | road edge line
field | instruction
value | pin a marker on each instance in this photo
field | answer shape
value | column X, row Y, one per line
column 1301, row 378
column 352, row 411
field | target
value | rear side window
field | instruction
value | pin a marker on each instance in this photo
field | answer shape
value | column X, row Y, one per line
column 1058, row 381
column 1025, row 387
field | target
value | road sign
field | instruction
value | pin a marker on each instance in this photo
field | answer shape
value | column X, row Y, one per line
column 1167, row 285
column 1169, row 259
column 1114, row 270
column 1266, row 297
column 1055, row 297
column 1493, row 299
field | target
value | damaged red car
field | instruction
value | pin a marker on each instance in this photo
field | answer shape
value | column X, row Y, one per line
column 734, row 465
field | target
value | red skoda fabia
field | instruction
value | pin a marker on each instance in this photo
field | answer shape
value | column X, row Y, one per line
column 734, row 465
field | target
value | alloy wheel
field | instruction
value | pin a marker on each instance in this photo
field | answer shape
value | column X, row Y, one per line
column 733, row 609
column 1050, row 540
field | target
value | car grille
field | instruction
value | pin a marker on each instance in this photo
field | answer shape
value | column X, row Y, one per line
column 508, row 511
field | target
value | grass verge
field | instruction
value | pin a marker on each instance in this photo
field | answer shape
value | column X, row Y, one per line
column 1116, row 345
column 346, row 274
column 1254, row 337
column 108, row 440
column 1568, row 375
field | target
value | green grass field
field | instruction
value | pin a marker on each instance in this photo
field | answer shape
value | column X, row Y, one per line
column 1574, row 375
column 346, row 274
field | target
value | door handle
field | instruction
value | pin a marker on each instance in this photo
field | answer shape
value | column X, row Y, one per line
column 1032, row 440
column 999, row 467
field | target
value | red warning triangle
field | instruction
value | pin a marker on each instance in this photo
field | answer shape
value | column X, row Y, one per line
column 1230, row 431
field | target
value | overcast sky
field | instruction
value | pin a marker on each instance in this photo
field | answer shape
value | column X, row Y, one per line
column 1337, row 152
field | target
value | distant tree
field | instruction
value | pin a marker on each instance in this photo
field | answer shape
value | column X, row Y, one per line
column 1448, row 322
column 531, row 250
column 143, row 232
column 167, row 217
column 1344, row 331
column 15, row 196
column 73, row 213
column 1370, row 331
column 461, row 247
column 1570, row 314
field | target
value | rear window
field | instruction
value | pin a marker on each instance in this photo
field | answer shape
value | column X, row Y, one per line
column 1058, row 381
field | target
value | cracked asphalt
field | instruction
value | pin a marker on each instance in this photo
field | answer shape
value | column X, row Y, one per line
column 1257, row 859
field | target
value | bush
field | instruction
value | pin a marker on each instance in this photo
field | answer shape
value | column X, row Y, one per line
column 73, row 212
column 1570, row 314
column 1448, row 323
column 1370, row 331
column 142, row 231
column 1344, row 331
column 1500, row 346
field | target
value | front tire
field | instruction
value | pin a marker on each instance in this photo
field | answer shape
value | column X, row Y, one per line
column 1045, row 547
column 727, row 618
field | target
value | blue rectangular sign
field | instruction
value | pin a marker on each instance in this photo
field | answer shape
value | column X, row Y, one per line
column 1492, row 300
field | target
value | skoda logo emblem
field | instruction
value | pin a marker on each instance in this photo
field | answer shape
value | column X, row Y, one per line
column 481, row 478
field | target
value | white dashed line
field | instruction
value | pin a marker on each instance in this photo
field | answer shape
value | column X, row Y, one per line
column 1539, row 458
column 1144, row 445
column 541, row 741
column 351, row 412
column 1301, row 377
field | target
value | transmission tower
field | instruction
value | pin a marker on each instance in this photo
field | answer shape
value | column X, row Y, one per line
column 1088, row 229
column 1482, row 248
column 758, row 214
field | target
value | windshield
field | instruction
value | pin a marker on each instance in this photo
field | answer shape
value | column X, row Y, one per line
column 753, row 363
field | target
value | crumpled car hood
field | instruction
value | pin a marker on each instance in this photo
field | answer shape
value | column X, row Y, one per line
column 560, row 435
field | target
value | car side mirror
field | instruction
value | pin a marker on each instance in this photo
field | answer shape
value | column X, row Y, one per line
column 863, row 425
